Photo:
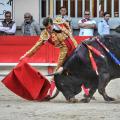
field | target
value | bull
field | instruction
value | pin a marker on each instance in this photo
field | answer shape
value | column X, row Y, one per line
column 77, row 69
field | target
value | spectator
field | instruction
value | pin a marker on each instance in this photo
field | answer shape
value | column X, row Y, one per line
column 7, row 26
column 86, row 25
column 30, row 27
column 63, row 15
column 103, row 26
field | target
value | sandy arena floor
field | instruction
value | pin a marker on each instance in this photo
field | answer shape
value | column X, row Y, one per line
column 13, row 107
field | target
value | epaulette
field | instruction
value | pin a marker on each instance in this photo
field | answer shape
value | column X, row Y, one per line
column 44, row 35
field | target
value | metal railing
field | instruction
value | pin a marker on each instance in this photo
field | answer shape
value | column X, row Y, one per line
column 76, row 9
column 92, row 5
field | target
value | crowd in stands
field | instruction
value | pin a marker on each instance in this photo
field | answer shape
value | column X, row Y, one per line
column 30, row 27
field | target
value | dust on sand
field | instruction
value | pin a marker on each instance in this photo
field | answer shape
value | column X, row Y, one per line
column 13, row 107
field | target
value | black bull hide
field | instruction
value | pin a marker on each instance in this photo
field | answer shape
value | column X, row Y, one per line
column 78, row 69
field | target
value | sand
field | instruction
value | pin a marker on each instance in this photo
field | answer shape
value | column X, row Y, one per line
column 13, row 107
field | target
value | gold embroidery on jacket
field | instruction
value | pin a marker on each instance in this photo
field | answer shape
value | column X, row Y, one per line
column 44, row 36
column 58, row 39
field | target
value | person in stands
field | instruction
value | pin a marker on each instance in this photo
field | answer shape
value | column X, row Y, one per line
column 7, row 26
column 103, row 26
column 30, row 27
column 64, row 16
column 86, row 25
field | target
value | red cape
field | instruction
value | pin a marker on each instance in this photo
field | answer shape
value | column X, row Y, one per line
column 27, row 82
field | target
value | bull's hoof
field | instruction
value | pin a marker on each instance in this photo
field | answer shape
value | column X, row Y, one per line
column 93, row 98
column 109, row 99
column 85, row 97
column 86, row 100
column 73, row 100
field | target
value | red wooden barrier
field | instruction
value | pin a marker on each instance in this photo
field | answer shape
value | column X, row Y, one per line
column 13, row 47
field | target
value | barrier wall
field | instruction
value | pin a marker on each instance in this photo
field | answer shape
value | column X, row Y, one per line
column 13, row 47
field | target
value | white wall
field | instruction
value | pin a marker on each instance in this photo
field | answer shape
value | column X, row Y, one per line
column 22, row 6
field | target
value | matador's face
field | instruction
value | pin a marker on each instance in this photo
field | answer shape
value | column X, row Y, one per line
column 49, row 28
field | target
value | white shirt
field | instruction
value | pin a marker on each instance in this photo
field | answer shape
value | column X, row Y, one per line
column 103, row 28
column 85, row 31
column 7, row 29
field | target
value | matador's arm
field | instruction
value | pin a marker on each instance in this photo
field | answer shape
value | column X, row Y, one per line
column 43, row 37
column 33, row 50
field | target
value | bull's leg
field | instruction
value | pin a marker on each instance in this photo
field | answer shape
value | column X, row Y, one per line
column 69, row 97
column 89, row 97
column 104, row 79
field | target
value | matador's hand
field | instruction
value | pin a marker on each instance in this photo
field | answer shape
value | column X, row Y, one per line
column 22, row 57
column 60, row 70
